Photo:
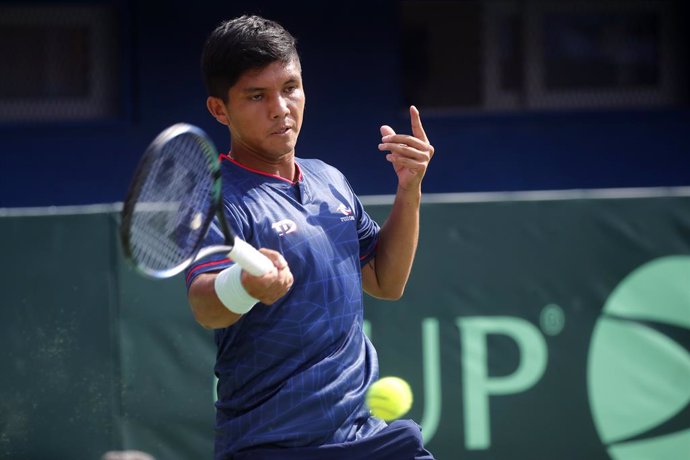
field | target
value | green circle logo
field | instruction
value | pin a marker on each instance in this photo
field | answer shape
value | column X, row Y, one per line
column 638, row 378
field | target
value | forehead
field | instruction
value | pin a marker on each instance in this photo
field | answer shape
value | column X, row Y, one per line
column 275, row 73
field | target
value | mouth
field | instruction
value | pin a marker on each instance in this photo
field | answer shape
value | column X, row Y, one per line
column 281, row 130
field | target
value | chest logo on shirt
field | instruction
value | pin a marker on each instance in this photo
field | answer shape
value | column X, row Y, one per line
column 346, row 211
column 285, row 226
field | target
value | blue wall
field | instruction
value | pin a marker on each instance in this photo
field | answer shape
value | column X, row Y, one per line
column 351, row 62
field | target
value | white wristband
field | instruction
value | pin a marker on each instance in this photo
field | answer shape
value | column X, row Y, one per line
column 229, row 289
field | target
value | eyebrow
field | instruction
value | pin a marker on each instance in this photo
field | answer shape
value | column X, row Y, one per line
column 254, row 89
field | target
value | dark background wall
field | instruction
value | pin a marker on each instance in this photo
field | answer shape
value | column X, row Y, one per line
column 351, row 58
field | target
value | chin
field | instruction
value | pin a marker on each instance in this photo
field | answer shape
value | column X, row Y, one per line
column 287, row 149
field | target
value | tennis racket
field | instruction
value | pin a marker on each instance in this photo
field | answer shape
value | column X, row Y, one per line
column 172, row 201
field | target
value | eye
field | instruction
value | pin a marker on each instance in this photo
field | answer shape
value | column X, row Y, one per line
column 256, row 97
column 290, row 89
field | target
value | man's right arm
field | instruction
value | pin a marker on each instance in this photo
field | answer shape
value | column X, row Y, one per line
column 211, row 313
column 207, row 308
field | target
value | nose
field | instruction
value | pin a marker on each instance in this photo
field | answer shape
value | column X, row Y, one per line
column 279, row 108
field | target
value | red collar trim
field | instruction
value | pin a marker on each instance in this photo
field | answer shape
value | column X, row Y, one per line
column 224, row 156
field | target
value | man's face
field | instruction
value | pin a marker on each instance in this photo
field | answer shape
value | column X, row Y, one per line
column 264, row 110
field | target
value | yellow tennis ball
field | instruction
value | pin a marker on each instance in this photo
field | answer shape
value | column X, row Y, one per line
column 389, row 398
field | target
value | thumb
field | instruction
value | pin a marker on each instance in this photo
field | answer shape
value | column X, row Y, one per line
column 278, row 260
column 386, row 130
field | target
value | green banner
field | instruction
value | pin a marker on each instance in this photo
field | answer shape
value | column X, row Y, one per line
column 59, row 389
column 547, row 329
column 528, row 330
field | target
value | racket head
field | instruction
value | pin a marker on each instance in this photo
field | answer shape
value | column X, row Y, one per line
column 172, row 199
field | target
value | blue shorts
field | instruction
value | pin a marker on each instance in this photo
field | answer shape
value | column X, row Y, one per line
column 401, row 440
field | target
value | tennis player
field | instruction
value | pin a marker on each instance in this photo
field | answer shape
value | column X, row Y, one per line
column 293, row 362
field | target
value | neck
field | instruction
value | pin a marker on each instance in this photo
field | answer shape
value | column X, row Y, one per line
column 283, row 166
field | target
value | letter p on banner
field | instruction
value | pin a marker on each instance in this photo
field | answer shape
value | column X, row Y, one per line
column 478, row 386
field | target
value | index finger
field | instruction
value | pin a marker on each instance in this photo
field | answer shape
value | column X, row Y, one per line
column 417, row 128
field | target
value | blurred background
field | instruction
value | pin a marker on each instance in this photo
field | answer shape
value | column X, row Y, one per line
column 515, row 95
column 547, row 325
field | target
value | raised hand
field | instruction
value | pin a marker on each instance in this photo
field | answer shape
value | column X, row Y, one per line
column 409, row 154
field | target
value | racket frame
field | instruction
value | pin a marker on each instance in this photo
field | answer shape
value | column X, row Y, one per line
column 152, row 152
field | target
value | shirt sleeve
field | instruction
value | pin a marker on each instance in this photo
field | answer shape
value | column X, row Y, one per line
column 367, row 232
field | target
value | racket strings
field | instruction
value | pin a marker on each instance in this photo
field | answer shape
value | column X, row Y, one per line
column 174, row 202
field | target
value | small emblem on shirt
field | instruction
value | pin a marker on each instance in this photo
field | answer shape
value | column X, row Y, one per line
column 346, row 211
column 285, row 226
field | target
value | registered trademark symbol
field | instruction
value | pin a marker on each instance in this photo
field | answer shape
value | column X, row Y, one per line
column 552, row 319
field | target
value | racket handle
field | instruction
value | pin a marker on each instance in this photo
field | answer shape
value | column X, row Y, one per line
column 250, row 259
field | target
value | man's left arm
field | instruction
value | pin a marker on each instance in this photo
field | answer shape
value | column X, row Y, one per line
column 386, row 275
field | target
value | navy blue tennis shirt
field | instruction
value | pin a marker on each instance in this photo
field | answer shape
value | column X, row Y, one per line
column 295, row 373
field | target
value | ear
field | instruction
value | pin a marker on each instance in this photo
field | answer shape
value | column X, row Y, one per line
column 216, row 107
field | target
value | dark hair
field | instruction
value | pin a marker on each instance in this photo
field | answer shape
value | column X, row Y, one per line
column 241, row 44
